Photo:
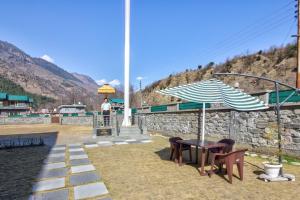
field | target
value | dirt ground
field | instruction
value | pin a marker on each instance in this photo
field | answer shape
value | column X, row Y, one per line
column 143, row 171
column 65, row 133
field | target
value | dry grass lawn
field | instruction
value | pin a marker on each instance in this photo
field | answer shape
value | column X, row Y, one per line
column 66, row 133
column 137, row 171
column 143, row 171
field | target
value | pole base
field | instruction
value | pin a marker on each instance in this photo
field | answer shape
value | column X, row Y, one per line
column 126, row 123
column 284, row 177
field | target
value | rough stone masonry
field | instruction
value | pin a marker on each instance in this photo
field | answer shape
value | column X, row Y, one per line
column 257, row 128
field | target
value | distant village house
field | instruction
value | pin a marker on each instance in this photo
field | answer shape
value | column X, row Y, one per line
column 70, row 109
column 14, row 104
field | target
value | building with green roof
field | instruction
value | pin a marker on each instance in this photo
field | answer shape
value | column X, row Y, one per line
column 117, row 103
column 3, row 96
column 18, row 98
column 14, row 104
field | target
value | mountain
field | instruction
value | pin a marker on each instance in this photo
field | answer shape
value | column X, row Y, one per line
column 86, row 82
column 55, row 69
column 277, row 63
column 40, row 77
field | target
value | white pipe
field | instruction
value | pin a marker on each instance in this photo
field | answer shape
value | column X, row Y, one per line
column 203, row 123
column 126, row 121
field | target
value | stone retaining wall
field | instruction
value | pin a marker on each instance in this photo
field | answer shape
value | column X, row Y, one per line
column 77, row 120
column 258, row 129
column 25, row 120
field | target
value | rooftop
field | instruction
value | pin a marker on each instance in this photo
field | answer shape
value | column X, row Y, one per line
column 116, row 100
column 11, row 97
column 72, row 106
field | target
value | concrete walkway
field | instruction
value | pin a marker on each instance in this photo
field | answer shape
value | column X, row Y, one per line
column 69, row 174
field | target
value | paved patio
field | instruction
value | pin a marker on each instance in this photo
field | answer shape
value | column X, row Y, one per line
column 68, row 178
column 67, row 172
column 62, row 171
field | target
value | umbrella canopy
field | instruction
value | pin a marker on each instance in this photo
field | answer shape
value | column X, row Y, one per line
column 106, row 89
column 215, row 91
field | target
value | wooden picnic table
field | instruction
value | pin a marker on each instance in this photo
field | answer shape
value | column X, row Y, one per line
column 203, row 146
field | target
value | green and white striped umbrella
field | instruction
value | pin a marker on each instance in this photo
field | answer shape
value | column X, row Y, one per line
column 215, row 91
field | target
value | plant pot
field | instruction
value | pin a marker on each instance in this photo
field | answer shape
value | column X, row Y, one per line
column 272, row 169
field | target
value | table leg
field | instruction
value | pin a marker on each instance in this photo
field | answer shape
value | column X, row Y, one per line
column 180, row 154
column 203, row 153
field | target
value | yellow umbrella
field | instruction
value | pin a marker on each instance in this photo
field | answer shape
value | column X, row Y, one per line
column 106, row 89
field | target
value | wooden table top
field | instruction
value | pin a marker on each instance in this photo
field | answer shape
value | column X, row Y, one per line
column 205, row 144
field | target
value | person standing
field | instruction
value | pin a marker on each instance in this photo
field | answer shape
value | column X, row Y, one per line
column 106, row 109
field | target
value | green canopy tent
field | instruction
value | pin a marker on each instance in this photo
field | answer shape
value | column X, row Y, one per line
column 214, row 91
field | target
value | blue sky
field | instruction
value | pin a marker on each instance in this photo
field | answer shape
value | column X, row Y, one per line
column 167, row 36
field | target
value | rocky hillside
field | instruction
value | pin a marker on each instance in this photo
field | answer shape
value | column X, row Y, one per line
column 38, row 76
column 86, row 82
column 276, row 63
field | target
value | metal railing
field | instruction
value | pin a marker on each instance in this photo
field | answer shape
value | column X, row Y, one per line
column 141, row 122
column 103, row 120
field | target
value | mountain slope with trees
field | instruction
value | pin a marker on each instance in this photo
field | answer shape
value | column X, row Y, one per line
column 42, row 78
column 276, row 63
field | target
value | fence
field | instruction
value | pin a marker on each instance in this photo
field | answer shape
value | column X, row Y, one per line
column 266, row 96
column 283, row 95
column 24, row 119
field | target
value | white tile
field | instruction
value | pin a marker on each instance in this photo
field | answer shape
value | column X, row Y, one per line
column 49, row 184
column 54, row 165
column 82, row 168
column 76, row 150
column 146, row 141
column 120, row 143
column 55, row 155
column 104, row 142
column 90, row 190
column 58, row 148
column 62, row 194
column 130, row 140
column 74, row 157
column 91, row 145
column 75, row 145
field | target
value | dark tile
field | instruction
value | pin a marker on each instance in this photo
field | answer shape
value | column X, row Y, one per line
column 77, row 153
column 53, row 173
column 55, row 159
column 80, row 162
column 57, row 151
column 54, row 195
column 82, row 178
column 59, row 145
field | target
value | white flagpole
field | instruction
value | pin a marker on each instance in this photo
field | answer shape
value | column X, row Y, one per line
column 203, row 123
column 126, row 121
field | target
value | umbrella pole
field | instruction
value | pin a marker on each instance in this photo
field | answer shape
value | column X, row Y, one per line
column 198, row 134
column 203, row 123
column 279, row 127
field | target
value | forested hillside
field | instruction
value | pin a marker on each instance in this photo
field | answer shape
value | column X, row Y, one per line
column 276, row 63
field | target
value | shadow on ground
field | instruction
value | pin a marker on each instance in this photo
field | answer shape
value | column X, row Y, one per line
column 20, row 166
column 165, row 153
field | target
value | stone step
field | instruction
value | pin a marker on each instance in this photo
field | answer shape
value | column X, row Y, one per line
column 130, row 131
column 133, row 130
